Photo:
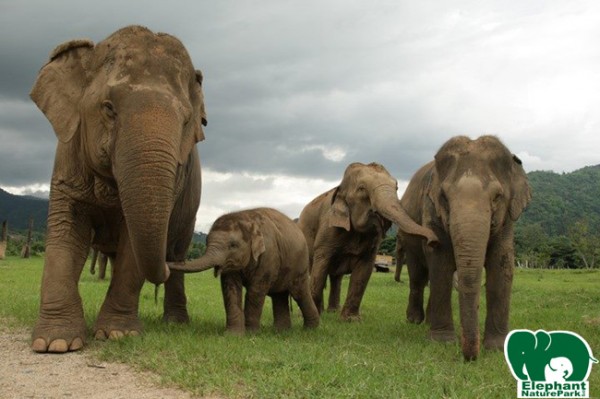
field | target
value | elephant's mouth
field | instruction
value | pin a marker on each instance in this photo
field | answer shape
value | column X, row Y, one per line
column 377, row 219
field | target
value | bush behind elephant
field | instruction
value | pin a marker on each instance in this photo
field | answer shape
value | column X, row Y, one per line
column 127, row 113
column 264, row 251
column 470, row 196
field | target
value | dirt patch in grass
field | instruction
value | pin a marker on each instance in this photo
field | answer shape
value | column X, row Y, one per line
column 25, row 374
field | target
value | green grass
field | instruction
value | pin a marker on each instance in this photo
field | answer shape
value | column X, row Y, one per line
column 381, row 357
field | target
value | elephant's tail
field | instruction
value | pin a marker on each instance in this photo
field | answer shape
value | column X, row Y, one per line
column 593, row 360
column 156, row 288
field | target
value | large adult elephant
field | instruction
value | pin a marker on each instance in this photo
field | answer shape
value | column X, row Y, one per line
column 470, row 196
column 344, row 227
column 127, row 113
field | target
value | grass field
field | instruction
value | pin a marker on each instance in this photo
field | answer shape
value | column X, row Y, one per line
column 381, row 357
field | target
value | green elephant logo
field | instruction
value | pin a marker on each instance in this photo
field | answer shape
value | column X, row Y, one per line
column 541, row 361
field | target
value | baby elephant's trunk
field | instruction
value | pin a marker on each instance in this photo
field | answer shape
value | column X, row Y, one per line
column 209, row 260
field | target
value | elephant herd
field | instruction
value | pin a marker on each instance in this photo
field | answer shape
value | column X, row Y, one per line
column 128, row 112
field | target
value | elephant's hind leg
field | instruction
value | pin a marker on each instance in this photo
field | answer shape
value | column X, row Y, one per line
column 301, row 294
column 418, row 276
column 118, row 316
column 281, row 311
column 175, row 303
column 335, row 289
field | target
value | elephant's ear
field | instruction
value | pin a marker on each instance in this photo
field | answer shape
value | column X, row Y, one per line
column 520, row 190
column 339, row 215
column 258, row 242
column 60, row 84
column 201, row 118
column 435, row 194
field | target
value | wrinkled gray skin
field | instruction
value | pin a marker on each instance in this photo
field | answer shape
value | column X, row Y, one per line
column 344, row 227
column 265, row 252
column 470, row 196
column 127, row 113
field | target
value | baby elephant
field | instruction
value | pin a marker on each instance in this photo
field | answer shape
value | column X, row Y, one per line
column 264, row 251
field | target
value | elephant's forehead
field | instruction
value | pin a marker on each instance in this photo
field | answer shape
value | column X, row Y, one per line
column 143, row 56
column 153, row 60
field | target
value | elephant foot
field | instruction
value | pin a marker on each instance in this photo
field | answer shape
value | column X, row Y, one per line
column 415, row 316
column 176, row 316
column 352, row 318
column 235, row 331
column 443, row 336
column 495, row 342
column 332, row 309
column 282, row 325
column 115, row 335
column 312, row 323
column 58, row 336
column 470, row 347
column 117, row 327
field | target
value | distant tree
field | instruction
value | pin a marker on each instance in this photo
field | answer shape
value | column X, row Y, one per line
column 197, row 249
column 562, row 254
column 585, row 243
column 388, row 246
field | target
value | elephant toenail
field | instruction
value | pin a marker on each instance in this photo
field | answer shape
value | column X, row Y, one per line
column 58, row 346
column 39, row 345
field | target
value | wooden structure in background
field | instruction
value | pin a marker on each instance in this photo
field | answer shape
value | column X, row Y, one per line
column 3, row 239
column 26, row 251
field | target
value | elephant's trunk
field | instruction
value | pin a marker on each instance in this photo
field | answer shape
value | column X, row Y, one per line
column 212, row 258
column 386, row 203
column 145, row 169
column 470, row 236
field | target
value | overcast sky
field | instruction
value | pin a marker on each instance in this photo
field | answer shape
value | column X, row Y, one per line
column 297, row 90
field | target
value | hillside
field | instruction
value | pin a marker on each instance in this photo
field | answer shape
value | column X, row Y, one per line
column 560, row 200
column 17, row 209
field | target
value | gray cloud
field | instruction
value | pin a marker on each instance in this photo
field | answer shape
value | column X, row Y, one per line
column 303, row 89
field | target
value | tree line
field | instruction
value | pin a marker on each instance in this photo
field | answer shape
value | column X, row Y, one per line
column 560, row 229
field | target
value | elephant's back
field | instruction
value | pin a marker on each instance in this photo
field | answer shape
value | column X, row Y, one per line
column 416, row 190
column 310, row 217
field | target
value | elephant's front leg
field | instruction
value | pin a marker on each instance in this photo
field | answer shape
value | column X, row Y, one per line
column 253, row 307
column 439, row 308
column 231, row 287
column 498, row 285
column 118, row 316
column 361, row 273
column 335, row 288
column 281, row 311
column 61, row 325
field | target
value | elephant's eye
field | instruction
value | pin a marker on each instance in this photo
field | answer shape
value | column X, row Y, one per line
column 109, row 109
column 234, row 245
